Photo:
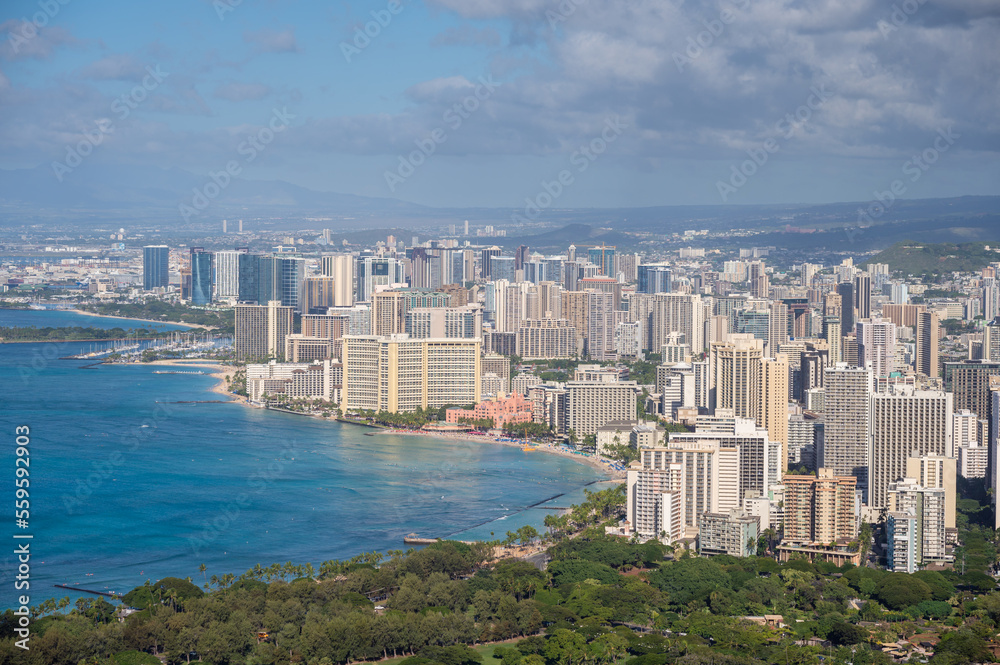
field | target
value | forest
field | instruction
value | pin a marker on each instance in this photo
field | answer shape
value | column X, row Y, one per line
column 600, row 600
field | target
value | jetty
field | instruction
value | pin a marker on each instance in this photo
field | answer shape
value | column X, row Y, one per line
column 414, row 539
column 109, row 594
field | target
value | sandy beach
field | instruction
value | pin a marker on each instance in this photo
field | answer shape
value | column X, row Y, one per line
column 220, row 372
column 221, row 388
column 595, row 462
column 129, row 318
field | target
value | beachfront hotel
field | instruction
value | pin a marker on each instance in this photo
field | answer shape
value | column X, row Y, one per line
column 397, row 373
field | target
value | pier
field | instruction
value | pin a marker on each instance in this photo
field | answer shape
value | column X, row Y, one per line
column 96, row 593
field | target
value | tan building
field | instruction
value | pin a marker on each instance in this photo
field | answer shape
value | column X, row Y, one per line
column 593, row 404
column 302, row 349
column 398, row 374
column 340, row 267
column 388, row 313
column 547, row 338
column 318, row 295
column 261, row 330
column 904, row 423
column 936, row 472
column 820, row 509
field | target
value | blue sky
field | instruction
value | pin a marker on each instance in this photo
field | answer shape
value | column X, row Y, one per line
column 699, row 89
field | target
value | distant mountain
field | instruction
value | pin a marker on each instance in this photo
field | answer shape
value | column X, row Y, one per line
column 916, row 258
column 99, row 187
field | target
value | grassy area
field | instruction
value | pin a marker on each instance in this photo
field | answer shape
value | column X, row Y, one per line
column 484, row 650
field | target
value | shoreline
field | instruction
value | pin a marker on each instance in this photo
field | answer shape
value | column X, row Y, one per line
column 129, row 318
column 593, row 462
column 218, row 371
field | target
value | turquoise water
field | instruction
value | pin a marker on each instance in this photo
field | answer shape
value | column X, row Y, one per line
column 128, row 485
column 63, row 318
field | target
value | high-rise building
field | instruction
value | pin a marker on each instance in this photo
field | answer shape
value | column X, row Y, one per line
column 927, row 333
column 736, row 369
column 593, row 404
column 703, row 474
column 904, row 422
column 202, row 274
column 227, row 274
column 375, row 271
column 155, row 267
column 399, row 374
column 654, row 278
column 248, row 287
column 341, row 268
column 318, row 294
column 834, row 339
column 758, row 463
column 733, row 533
column 877, row 346
column 546, row 338
column 604, row 258
column 261, row 330
column 863, row 295
column 777, row 329
column 820, row 509
column 991, row 341
column 445, row 322
column 485, row 265
column 924, row 536
column 773, row 410
column 936, row 472
column 844, row 450
column 846, row 292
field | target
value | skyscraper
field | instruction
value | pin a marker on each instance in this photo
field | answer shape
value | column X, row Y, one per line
column 227, row 274
column 848, row 406
column 155, row 266
column 201, row 276
column 846, row 291
column 604, row 258
column 736, row 368
column 653, row 278
column 904, row 422
column 261, row 330
column 863, row 295
column 341, row 268
column 318, row 295
column 484, row 261
column 399, row 374
column 927, row 332
column 877, row 346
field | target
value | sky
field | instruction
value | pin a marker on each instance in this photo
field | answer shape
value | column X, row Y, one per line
column 586, row 103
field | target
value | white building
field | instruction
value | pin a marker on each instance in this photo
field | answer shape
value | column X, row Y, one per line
column 319, row 380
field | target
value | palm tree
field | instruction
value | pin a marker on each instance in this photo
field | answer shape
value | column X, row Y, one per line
column 202, row 568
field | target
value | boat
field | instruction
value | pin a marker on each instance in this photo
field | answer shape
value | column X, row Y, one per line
column 528, row 449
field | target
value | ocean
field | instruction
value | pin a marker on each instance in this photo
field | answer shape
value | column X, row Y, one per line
column 137, row 476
